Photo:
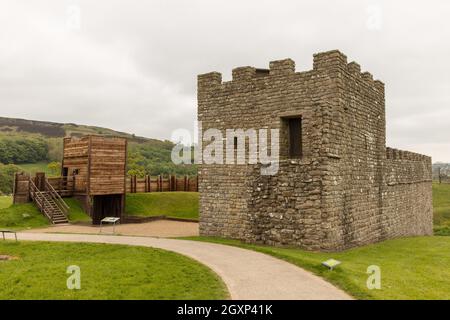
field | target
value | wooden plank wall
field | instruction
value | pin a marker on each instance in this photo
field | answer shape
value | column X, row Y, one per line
column 107, row 167
column 76, row 156
column 162, row 184
column 21, row 188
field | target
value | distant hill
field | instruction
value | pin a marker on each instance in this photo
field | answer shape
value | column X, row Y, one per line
column 37, row 142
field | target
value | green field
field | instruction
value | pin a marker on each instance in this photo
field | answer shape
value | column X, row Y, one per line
column 107, row 272
column 171, row 204
column 22, row 216
column 27, row 215
column 32, row 168
column 411, row 268
column 441, row 208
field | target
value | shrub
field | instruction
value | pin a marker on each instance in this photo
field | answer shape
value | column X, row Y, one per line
column 23, row 150
column 7, row 177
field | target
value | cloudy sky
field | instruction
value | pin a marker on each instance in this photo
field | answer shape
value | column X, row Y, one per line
column 132, row 65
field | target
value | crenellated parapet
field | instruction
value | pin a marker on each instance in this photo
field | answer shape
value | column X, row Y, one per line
column 396, row 154
column 325, row 62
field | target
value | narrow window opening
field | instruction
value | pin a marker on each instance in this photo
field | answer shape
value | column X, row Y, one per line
column 295, row 137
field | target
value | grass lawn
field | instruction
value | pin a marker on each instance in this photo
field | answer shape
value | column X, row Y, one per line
column 32, row 168
column 27, row 215
column 5, row 201
column 441, row 208
column 411, row 268
column 22, row 216
column 125, row 272
column 171, row 204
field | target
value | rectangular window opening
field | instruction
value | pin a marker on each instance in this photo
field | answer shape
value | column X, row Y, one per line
column 295, row 137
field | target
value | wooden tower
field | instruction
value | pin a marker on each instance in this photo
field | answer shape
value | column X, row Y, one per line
column 94, row 167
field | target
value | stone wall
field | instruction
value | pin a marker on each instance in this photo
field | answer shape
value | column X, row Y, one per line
column 407, row 194
column 346, row 189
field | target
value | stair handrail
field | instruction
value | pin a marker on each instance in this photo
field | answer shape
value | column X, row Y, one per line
column 62, row 205
column 41, row 199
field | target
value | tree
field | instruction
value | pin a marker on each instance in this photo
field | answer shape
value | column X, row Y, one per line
column 55, row 168
column 7, row 177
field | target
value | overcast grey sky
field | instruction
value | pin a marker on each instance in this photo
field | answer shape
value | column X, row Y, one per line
column 132, row 65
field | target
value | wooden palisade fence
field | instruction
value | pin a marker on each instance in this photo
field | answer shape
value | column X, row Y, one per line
column 162, row 184
column 67, row 187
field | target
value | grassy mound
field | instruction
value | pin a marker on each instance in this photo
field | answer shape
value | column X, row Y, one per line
column 27, row 215
column 171, row 204
column 107, row 272
column 76, row 211
column 411, row 268
column 22, row 216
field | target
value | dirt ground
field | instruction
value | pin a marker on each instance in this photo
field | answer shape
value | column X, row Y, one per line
column 159, row 228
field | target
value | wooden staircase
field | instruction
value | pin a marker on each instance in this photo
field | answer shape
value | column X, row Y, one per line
column 49, row 202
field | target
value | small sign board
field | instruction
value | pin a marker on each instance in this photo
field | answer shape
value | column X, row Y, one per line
column 331, row 263
column 110, row 219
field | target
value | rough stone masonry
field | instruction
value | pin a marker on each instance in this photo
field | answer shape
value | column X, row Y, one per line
column 344, row 189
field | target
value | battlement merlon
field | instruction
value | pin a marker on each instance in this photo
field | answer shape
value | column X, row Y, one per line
column 210, row 79
column 329, row 62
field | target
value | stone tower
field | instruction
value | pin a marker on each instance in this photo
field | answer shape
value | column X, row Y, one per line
column 338, row 185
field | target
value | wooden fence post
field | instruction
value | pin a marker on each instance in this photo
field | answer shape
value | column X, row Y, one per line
column 133, row 184
column 40, row 180
column 15, row 187
column 172, row 180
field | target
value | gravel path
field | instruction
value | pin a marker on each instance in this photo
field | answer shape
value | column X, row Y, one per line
column 247, row 274
column 158, row 228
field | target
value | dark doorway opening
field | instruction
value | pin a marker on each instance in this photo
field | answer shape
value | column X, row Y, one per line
column 107, row 206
